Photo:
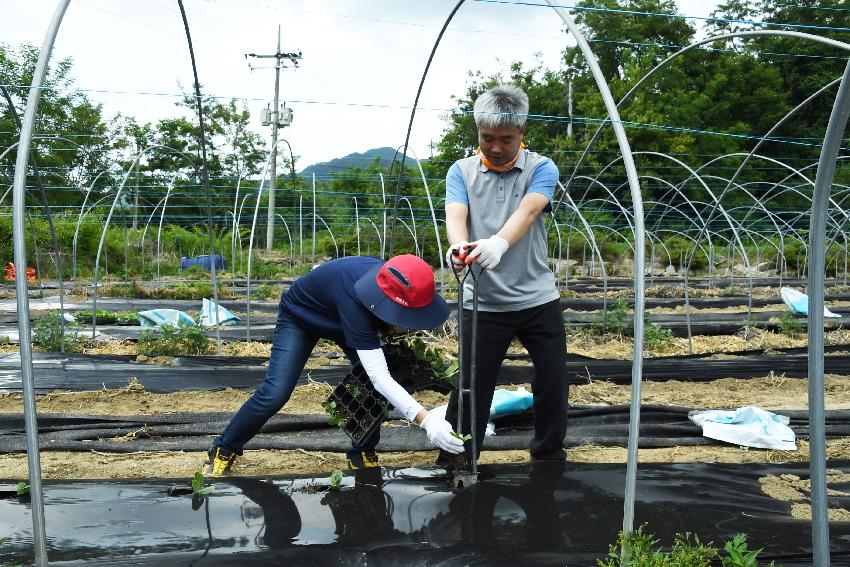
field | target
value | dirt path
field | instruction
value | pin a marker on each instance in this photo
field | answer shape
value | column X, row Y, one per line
column 769, row 392
column 178, row 465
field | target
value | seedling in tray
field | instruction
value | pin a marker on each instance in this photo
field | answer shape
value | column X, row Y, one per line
column 335, row 417
column 353, row 390
column 355, row 406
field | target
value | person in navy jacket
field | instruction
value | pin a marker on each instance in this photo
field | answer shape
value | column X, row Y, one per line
column 352, row 301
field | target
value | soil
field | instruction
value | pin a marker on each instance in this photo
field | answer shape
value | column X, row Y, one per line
column 774, row 391
column 778, row 306
column 770, row 392
column 792, row 488
column 620, row 347
column 97, row 465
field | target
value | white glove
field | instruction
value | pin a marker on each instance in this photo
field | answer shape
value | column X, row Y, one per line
column 440, row 433
column 488, row 251
column 458, row 260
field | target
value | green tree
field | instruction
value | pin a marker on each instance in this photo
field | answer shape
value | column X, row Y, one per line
column 66, row 166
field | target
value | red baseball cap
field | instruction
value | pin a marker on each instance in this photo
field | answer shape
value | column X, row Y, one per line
column 401, row 292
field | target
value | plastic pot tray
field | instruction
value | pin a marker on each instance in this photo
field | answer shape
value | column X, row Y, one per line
column 360, row 407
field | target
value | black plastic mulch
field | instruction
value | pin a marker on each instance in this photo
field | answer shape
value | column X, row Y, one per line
column 595, row 303
column 86, row 372
column 661, row 426
column 523, row 514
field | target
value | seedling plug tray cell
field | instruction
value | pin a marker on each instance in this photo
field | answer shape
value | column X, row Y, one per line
column 355, row 406
column 358, row 409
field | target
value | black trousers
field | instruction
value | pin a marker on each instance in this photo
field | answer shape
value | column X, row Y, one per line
column 541, row 331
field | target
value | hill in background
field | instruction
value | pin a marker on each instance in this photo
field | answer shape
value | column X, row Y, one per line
column 325, row 169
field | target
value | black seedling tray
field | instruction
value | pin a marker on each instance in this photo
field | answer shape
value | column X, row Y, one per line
column 359, row 408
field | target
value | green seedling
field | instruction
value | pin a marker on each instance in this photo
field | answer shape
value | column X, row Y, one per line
column 198, row 485
column 353, row 390
column 2, row 541
column 641, row 547
column 169, row 340
column 463, row 438
column 47, row 334
column 385, row 407
column 335, row 418
column 335, row 480
column 739, row 555
column 22, row 489
column 420, row 359
column 791, row 326
column 449, row 372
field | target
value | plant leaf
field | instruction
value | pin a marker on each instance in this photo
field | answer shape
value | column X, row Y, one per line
column 197, row 481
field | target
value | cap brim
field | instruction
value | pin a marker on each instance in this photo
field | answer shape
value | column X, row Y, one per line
column 417, row 318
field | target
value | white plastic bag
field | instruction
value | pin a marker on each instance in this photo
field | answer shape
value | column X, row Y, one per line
column 748, row 426
column 208, row 315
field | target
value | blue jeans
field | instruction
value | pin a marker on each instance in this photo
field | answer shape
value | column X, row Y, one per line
column 291, row 347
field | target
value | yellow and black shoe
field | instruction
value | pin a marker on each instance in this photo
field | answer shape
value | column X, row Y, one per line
column 218, row 462
column 362, row 460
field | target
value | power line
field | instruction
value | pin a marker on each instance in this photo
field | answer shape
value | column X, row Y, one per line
column 663, row 15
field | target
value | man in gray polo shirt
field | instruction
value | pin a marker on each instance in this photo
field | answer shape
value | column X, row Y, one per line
column 495, row 200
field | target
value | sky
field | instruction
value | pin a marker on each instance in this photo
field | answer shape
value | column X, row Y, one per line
column 354, row 87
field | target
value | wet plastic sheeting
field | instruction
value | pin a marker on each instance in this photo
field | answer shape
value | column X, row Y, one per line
column 527, row 514
column 661, row 426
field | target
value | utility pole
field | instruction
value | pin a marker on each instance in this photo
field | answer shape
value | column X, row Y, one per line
column 570, row 109
column 136, row 192
column 276, row 119
column 136, row 199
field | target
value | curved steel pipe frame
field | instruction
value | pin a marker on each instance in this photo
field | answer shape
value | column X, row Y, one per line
column 106, row 227
column 206, row 176
column 639, row 269
column 817, row 232
column 19, row 245
column 159, row 228
column 20, row 253
column 77, row 228
column 251, row 241
column 440, row 257
column 828, row 159
column 288, row 233
column 410, row 123
column 336, row 246
column 668, row 60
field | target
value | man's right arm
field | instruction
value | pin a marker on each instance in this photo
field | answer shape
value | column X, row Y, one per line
column 457, row 209
column 456, row 230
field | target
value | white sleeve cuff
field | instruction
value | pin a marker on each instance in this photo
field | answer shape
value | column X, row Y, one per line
column 375, row 365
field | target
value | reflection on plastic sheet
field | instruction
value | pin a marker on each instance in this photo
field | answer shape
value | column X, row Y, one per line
column 540, row 513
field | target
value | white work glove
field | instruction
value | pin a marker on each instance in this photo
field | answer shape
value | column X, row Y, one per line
column 488, row 251
column 459, row 260
column 439, row 433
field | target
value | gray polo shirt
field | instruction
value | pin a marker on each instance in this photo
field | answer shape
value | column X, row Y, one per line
column 522, row 279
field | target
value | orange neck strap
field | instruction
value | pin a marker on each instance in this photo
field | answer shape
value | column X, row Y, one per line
column 499, row 168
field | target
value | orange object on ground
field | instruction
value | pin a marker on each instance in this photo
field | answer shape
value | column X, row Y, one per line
column 11, row 273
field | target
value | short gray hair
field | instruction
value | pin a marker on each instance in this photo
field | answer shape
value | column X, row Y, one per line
column 500, row 107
